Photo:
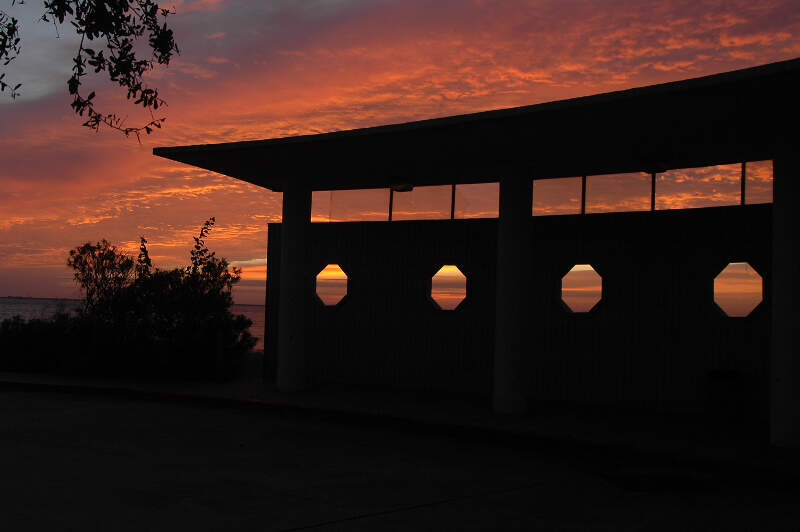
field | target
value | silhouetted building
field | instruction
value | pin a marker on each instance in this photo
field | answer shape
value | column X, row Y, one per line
column 656, row 336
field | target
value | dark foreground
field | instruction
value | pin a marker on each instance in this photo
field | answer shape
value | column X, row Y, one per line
column 72, row 462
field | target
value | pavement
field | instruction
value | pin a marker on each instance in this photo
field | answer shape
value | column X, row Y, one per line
column 74, row 459
column 679, row 439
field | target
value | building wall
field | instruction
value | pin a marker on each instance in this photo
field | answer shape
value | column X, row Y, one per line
column 655, row 340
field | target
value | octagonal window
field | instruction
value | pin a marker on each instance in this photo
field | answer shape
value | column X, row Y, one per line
column 581, row 288
column 448, row 287
column 738, row 289
column 331, row 284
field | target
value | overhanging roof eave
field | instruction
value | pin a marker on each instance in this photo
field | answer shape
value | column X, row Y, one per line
column 271, row 162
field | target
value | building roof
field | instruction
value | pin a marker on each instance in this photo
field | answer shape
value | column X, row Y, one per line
column 747, row 114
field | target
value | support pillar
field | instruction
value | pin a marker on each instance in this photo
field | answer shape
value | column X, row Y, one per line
column 512, row 310
column 294, row 289
column 785, row 345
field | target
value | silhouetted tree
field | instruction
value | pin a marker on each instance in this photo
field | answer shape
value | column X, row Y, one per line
column 101, row 270
column 137, row 319
column 117, row 25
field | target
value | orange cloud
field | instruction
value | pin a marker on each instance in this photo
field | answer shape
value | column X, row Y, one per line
column 252, row 69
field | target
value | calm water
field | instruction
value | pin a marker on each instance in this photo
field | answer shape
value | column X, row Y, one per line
column 257, row 314
column 45, row 308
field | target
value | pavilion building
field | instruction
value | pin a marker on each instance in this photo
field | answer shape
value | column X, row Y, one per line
column 657, row 337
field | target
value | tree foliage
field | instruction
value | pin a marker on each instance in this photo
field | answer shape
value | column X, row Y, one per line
column 102, row 271
column 137, row 319
column 109, row 31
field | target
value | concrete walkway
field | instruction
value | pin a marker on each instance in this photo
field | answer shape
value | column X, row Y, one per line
column 691, row 441
column 82, row 461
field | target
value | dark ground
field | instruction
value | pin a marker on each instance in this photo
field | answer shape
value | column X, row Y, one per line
column 88, row 462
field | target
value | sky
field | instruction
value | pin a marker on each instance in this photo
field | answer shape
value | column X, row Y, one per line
column 254, row 69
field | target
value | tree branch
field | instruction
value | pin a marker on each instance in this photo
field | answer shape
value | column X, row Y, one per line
column 119, row 24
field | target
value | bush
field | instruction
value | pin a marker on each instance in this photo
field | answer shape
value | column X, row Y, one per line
column 137, row 320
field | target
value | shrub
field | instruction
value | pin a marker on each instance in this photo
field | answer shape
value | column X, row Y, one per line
column 138, row 320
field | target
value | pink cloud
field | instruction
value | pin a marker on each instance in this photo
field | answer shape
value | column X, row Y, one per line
column 253, row 69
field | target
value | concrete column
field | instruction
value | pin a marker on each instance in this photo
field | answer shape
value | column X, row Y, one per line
column 512, row 312
column 785, row 355
column 294, row 289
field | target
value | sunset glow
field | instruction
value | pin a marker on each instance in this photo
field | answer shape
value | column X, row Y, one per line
column 481, row 200
column 618, row 192
column 423, row 203
column 581, row 288
column 331, row 284
column 758, row 182
column 255, row 69
column 448, row 287
column 557, row 196
column 709, row 186
column 738, row 289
